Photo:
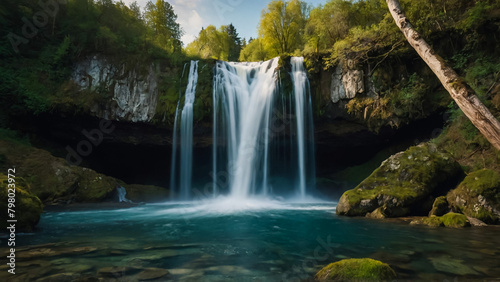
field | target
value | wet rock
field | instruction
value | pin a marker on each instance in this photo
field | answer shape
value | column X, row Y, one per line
column 151, row 274
column 452, row 265
column 116, row 271
column 405, row 184
column 356, row 270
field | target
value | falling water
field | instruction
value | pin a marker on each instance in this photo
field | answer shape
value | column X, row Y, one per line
column 173, row 164
column 186, row 138
column 299, row 78
column 187, row 132
column 245, row 102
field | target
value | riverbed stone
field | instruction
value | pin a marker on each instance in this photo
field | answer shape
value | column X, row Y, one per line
column 478, row 196
column 151, row 274
column 364, row 269
column 452, row 265
column 405, row 184
column 116, row 271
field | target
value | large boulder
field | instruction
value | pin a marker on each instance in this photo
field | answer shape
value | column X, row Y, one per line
column 364, row 269
column 26, row 208
column 405, row 184
column 52, row 179
column 478, row 196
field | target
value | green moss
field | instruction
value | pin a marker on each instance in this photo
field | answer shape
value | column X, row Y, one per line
column 478, row 196
column 401, row 182
column 482, row 181
column 440, row 206
column 433, row 221
column 455, row 220
column 94, row 187
column 28, row 207
column 364, row 269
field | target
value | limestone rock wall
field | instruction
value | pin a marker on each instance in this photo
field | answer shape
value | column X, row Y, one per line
column 348, row 82
column 134, row 94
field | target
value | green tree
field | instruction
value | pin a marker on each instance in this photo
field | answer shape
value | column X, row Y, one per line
column 221, row 44
column 282, row 25
column 327, row 24
column 253, row 52
column 163, row 20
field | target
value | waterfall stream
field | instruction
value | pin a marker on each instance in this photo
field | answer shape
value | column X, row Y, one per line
column 251, row 111
column 186, row 138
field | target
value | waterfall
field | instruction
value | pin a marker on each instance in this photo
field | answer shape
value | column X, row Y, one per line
column 122, row 195
column 247, row 107
column 299, row 79
column 186, row 138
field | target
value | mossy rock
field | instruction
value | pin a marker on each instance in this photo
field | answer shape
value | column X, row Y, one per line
column 92, row 186
column 52, row 179
column 478, row 196
column 405, row 184
column 454, row 220
column 28, row 207
column 364, row 269
column 440, row 206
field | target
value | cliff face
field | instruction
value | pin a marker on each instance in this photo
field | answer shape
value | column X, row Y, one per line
column 347, row 83
column 133, row 94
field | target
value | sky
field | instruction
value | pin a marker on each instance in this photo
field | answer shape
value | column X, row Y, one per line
column 192, row 15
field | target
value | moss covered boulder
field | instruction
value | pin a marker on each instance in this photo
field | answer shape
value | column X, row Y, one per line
column 27, row 206
column 478, row 196
column 405, row 184
column 364, row 269
column 440, row 206
column 52, row 179
column 454, row 220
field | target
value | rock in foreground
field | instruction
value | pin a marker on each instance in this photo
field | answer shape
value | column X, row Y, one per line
column 364, row 269
column 405, row 184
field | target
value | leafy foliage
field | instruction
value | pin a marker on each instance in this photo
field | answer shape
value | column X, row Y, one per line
column 221, row 44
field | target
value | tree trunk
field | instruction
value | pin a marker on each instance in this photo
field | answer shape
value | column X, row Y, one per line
column 463, row 95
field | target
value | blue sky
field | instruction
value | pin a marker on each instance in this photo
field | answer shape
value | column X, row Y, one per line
column 195, row 14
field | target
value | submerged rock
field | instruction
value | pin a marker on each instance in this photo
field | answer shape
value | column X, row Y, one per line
column 452, row 265
column 478, row 196
column 364, row 269
column 28, row 206
column 405, row 184
column 451, row 219
column 151, row 274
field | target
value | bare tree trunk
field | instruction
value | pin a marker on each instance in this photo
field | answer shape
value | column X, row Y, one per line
column 463, row 95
